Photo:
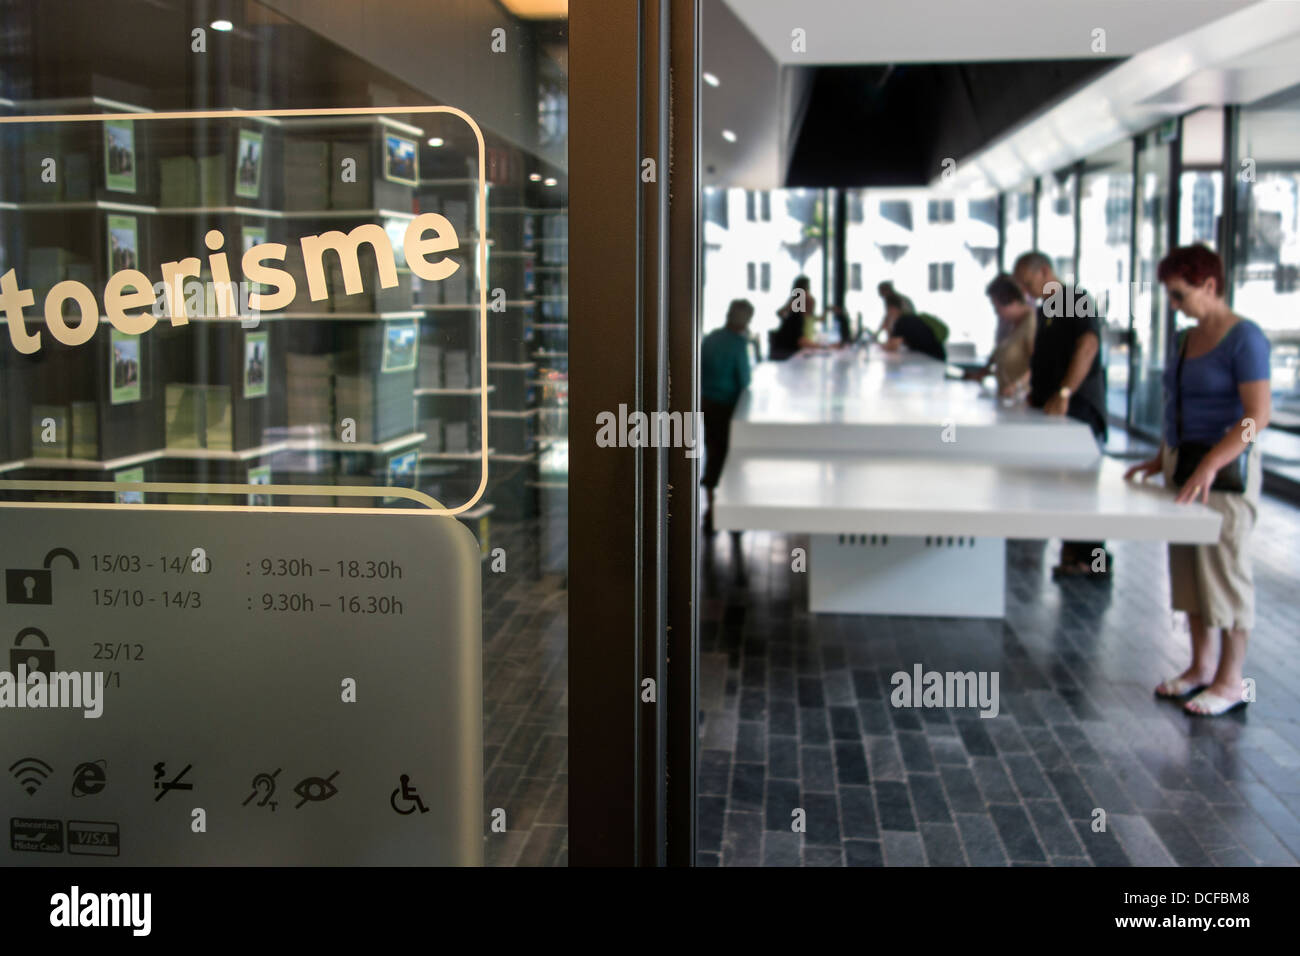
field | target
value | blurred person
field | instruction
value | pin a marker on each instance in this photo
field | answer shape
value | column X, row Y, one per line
column 1014, row 345
column 1066, row 377
column 907, row 328
column 795, row 331
column 724, row 375
column 1217, row 401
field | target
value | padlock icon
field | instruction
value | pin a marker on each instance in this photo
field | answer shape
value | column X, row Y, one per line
column 35, row 585
column 34, row 658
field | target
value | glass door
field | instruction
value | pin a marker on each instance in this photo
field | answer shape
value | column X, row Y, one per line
column 1105, row 254
column 298, row 273
column 1150, row 308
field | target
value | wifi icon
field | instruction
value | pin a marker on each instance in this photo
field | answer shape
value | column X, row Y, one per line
column 30, row 772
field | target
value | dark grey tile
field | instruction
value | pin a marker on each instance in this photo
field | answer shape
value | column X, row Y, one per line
column 818, row 769
column 928, row 798
column 823, row 856
column 782, row 718
column 1054, row 830
column 863, row 853
column 742, row 839
column 782, row 801
column 942, row 846
column 813, row 728
column 823, row 819
column 747, row 786
column 993, row 780
column 710, row 816
column 850, row 763
column 783, row 757
column 915, row 748
column 782, row 848
column 893, row 806
column 948, row 750
column 963, row 793
column 884, row 760
column 714, row 775
column 1017, row 833
column 858, row 813
column 1178, row 840
column 1026, row 776
column 902, row 849
column 980, row 838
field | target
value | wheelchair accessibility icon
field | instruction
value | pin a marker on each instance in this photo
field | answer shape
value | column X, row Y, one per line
column 409, row 796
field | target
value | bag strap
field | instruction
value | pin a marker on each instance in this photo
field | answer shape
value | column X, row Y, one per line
column 1178, row 387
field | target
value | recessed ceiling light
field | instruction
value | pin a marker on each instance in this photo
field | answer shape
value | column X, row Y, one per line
column 225, row 26
column 729, row 136
column 535, row 177
column 551, row 181
column 435, row 141
column 710, row 79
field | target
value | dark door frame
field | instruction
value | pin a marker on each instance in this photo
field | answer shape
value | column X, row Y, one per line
column 633, row 268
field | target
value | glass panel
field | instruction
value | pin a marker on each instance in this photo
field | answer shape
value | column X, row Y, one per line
column 791, row 242
column 1056, row 222
column 942, row 259
column 382, row 380
column 1019, row 228
column 1266, row 275
column 1105, row 232
column 1200, row 206
column 1150, row 308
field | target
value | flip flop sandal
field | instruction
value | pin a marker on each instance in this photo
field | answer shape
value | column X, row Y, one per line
column 1215, row 705
column 1176, row 688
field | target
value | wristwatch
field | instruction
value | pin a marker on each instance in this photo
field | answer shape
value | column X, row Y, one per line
column 1064, row 392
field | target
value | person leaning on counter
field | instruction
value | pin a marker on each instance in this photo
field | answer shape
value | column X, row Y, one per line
column 1217, row 401
column 1066, row 377
column 907, row 328
column 1015, row 337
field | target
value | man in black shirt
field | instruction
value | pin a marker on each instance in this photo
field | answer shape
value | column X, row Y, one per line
column 1066, row 376
column 906, row 328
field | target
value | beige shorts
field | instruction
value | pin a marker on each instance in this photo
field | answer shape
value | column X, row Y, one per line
column 1216, row 580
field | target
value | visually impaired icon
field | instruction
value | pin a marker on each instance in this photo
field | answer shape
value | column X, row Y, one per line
column 315, row 789
column 35, row 659
column 409, row 796
column 30, row 772
column 35, row 585
column 264, row 783
column 164, row 787
column 89, row 778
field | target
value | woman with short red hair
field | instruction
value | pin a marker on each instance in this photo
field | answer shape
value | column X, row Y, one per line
column 1217, row 401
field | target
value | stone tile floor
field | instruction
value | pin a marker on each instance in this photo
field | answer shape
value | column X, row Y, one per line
column 795, row 713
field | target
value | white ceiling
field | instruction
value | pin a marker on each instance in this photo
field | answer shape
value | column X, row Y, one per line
column 938, row 31
column 1250, row 54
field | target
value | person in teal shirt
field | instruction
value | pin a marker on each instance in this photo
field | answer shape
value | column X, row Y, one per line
column 724, row 375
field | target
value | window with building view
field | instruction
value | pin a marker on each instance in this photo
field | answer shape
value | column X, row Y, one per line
column 1056, row 222
column 937, row 248
column 756, row 243
column 1105, row 257
column 1019, row 224
column 1265, row 284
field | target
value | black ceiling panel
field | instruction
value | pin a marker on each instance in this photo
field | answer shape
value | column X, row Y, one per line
column 893, row 125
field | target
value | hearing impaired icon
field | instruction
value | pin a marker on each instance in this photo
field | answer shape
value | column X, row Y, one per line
column 35, row 585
